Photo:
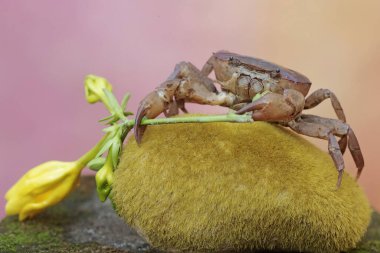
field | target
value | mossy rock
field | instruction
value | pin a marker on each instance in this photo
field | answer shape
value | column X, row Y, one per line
column 236, row 186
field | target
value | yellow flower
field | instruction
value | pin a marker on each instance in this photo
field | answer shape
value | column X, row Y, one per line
column 47, row 184
column 41, row 187
column 99, row 89
column 94, row 89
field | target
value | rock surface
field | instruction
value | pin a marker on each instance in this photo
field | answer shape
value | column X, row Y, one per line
column 83, row 224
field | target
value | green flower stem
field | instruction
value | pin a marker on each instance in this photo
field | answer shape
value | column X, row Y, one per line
column 86, row 158
column 231, row 117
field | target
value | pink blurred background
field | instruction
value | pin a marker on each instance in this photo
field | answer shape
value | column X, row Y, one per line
column 48, row 47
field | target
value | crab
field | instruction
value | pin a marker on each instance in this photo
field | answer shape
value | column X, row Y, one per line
column 268, row 91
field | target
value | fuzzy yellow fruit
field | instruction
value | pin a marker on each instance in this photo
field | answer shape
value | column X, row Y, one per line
column 41, row 187
column 232, row 186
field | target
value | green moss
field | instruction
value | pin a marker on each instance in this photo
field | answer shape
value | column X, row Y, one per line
column 371, row 241
column 368, row 247
column 43, row 235
column 236, row 186
column 373, row 232
column 48, row 232
column 16, row 236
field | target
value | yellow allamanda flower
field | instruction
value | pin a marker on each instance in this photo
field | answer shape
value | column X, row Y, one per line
column 99, row 89
column 41, row 187
column 47, row 184
column 94, row 89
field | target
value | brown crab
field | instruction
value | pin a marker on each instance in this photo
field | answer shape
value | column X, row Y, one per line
column 270, row 92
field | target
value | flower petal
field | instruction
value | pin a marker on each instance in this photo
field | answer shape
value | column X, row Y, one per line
column 41, row 187
column 94, row 86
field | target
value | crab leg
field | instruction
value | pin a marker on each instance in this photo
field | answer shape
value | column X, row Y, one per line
column 341, row 129
column 276, row 107
column 174, row 108
column 318, row 97
column 185, row 84
column 209, row 66
column 323, row 132
column 356, row 153
column 343, row 143
column 324, row 128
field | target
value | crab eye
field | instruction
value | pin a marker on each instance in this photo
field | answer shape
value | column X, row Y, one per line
column 275, row 73
column 233, row 61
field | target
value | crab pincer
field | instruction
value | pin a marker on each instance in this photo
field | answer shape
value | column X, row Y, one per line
column 151, row 106
column 275, row 107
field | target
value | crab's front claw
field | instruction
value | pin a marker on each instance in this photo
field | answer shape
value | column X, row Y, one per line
column 275, row 107
column 150, row 107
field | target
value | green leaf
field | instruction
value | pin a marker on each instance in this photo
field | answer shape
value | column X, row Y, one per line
column 114, row 103
column 106, row 118
column 126, row 114
column 110, row 129
column 105, row 147
column 110, row 119
column 113, row 120
column 125, row 101
column 115, row 150
column 97, row 163
column 119, row 132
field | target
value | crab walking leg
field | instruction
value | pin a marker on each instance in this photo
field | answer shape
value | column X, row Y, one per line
column 316, row 126
column 356, row 153
column 318, row 97
column 337, row 156
column 185, row 84
column 209, row 66
column 322, row 132
column 343, row 143
column 341, row 129
column 174, row 107
column 276, row 107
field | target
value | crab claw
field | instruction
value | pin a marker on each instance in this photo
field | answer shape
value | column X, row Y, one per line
column 275, row 107
column 151, row 106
